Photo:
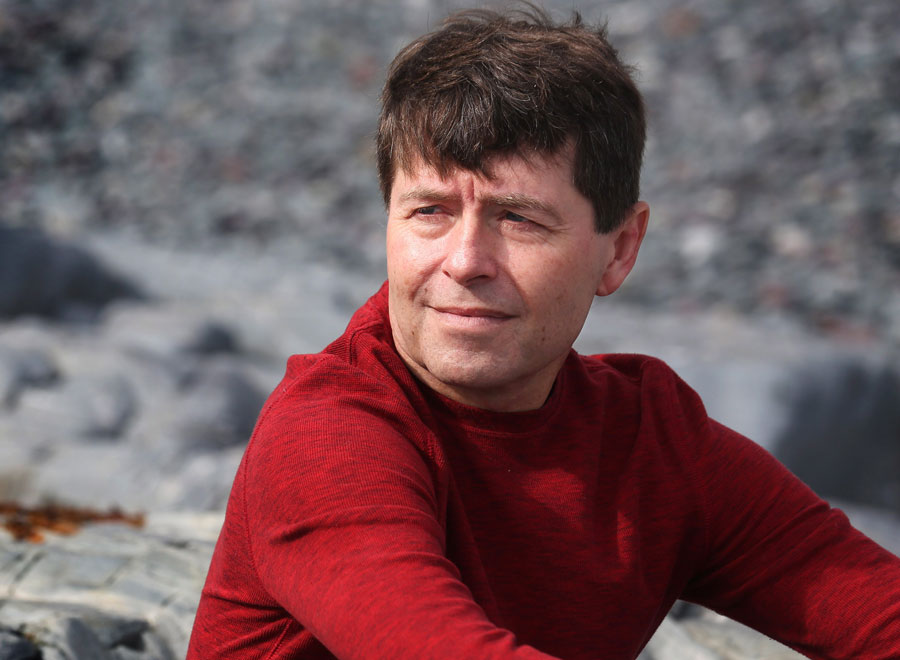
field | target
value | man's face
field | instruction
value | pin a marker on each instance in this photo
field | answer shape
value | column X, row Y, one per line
column 491, row 278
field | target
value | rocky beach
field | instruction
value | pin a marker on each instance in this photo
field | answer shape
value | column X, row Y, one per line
column 187, row 197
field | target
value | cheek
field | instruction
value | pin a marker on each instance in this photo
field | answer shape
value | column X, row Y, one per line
column 567, row 286
column 393, row 249
column 400, row 261
column 406, row 254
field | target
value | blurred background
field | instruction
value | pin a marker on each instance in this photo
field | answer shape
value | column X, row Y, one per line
column 188, row 196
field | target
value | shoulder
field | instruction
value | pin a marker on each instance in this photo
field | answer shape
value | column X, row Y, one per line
column 323, row 398
column 354, row 401
column 649, row 379
column 631, row 366
column 663, row 412
column 356, row 377
column 331, row 432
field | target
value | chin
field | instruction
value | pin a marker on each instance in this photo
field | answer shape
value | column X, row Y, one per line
column 468, row 374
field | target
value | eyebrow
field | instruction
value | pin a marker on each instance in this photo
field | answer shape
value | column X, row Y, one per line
column 513, row 200
column 422, row 193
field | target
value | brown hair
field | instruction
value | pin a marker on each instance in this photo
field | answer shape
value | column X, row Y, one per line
column 487, row 84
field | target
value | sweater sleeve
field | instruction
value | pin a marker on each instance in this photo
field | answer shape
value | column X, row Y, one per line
column 781, row 560
column 343, row 519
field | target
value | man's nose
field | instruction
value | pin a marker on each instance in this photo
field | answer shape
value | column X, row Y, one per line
column 471, row 251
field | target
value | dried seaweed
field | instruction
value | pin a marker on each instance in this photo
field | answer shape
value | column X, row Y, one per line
column 28, row 523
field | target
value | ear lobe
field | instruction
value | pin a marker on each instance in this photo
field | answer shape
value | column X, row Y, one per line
column 626, row 239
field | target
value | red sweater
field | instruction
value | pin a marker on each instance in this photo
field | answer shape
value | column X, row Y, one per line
column 372, row 518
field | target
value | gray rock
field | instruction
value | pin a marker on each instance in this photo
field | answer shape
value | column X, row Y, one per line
column 81, row 632
column 74, row 638
column 730, row 640
column 843, row 434
column 771, row 164
column 672, row 642
column 213, row 337
column 218, row 407
column 108, row 591
column 46, row 277
column 98, row 475
column 116, row 631
column 880, row 525
column 87, row 405
column 200, row 482
column 14, row 646
column 21, row 368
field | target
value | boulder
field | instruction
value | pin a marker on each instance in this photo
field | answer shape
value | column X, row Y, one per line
column 218, row 407
column 842, row 436
column 86, row 405
column 44, row 276
column 15, row 646
column 107, row 592
column 21, row 368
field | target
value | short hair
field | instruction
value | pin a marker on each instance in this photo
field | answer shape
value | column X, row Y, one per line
column 489, row 84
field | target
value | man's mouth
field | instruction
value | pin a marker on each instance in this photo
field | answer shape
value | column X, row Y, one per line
column 473, row 312
column 471, row 318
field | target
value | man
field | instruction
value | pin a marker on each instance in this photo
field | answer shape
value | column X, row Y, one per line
column 449, row 479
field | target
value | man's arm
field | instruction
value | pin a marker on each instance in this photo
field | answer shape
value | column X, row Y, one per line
column 782, row 561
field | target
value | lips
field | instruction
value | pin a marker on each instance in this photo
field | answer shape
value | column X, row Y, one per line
column 473, row 312
column 471, row 319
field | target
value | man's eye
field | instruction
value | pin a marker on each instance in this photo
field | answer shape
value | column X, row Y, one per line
column 514, row 217
column 427, row 210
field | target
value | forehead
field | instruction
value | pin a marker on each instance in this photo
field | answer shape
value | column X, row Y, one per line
column 531, row 173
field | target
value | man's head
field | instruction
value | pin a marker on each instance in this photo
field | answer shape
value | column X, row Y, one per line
column 509, row 155
column 488, row 84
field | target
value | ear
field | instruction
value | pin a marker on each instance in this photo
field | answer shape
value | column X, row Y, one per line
column 626, row 240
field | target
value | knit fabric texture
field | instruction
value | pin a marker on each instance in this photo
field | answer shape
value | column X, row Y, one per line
column 373, row 518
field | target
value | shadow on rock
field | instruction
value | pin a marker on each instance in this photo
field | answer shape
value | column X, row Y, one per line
column 43, row 276
column 843, row 434
column 217, row 408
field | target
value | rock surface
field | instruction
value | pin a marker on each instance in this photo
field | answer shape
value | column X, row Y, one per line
column 46, row 277
column 107, row 591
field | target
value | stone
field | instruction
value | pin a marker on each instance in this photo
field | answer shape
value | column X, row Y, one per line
column 85, row 405
column 734, row 641
column 672, row 642
column 21, row 368
column 108, row 590
column 81, row 632
column 98, row 475
column 843, row 434
column 218, row 407
column 57, row 574
column 213, row 337
column 114, row 631
column 880, row 525
column 74, row 637
column 14, row 646
column 201, row 482
column 47, row 277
